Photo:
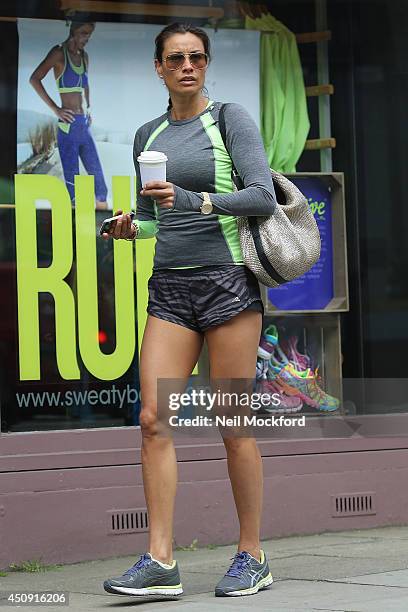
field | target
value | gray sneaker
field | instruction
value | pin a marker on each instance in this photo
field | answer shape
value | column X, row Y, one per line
column 146, row 577
column 246, row 576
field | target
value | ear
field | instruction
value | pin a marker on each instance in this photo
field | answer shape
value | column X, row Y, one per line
column 159, row 68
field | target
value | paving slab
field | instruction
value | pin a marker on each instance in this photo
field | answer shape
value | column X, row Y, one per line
column 314, row 567
column 367, row 548
column 398, row 578
column 391, row 531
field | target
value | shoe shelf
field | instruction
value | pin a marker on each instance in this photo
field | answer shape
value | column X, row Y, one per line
column 305, row 355
column 325, row 287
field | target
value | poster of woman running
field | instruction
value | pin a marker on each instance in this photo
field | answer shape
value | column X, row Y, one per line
column 85, row 88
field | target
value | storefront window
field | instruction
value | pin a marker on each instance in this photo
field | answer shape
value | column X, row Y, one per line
column 330, row 107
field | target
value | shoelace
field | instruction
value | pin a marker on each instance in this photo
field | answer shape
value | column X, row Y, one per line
column 237, row 568
column 144, row 561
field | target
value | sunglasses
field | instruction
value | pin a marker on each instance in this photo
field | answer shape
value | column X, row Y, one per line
column 174, row 61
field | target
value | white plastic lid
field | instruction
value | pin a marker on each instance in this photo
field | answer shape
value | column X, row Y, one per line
column 152, row 157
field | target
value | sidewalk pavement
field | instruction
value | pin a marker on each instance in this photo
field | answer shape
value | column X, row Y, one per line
column 348, row 571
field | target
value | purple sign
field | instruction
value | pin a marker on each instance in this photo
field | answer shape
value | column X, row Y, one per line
column 313, row 290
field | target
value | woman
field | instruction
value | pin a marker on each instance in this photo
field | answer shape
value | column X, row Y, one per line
column 70, row 64
column 217, row 298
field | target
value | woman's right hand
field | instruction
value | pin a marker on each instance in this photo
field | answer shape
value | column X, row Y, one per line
column 65, row 114
column 121, row 229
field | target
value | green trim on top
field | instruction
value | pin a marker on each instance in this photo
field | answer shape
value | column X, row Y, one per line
column 223, row 184
column 151, row 138
column 79, row 70
column 154, row 134
column 65, row 65
column 71, row 89
column 147, row 229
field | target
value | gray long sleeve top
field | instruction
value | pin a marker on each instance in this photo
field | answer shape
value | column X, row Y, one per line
column 198, row 161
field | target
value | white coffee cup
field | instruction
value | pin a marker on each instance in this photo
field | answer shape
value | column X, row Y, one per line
column 152, row 166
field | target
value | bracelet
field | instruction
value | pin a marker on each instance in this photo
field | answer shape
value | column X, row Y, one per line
column 136, row 232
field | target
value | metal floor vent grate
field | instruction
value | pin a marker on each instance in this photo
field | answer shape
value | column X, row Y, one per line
column 353, row 504
column 127, row 521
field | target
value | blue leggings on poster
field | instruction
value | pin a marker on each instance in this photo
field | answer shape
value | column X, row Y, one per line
column 75, row 142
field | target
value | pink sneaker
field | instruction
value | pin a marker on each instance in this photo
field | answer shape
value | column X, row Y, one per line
column 288, row 404
column 301, row 362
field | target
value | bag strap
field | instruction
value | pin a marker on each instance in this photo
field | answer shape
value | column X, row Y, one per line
column 223, row 131
column 252, row 221
column 221, row 125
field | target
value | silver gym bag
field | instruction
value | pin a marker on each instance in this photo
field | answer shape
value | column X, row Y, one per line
column 284, row 245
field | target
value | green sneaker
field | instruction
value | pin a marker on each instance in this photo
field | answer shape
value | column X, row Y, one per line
column 246, row 576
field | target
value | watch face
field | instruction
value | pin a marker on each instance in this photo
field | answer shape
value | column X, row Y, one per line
column 206, row 208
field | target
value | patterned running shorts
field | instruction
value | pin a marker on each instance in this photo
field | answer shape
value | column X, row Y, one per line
column 199, row 298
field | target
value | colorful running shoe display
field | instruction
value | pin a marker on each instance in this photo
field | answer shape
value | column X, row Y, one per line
column 289, row 373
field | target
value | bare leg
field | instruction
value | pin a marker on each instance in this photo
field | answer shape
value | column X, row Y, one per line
column 232, row 348
column 168, row 351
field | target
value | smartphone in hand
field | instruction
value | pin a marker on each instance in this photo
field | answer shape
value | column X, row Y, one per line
column 107, row 223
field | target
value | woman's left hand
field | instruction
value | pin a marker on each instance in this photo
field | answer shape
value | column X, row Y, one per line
column 160, row 191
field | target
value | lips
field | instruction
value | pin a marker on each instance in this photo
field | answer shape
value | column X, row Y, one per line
column 188, row 80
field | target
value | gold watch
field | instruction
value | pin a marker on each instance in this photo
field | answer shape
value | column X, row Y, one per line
column 206, row 207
